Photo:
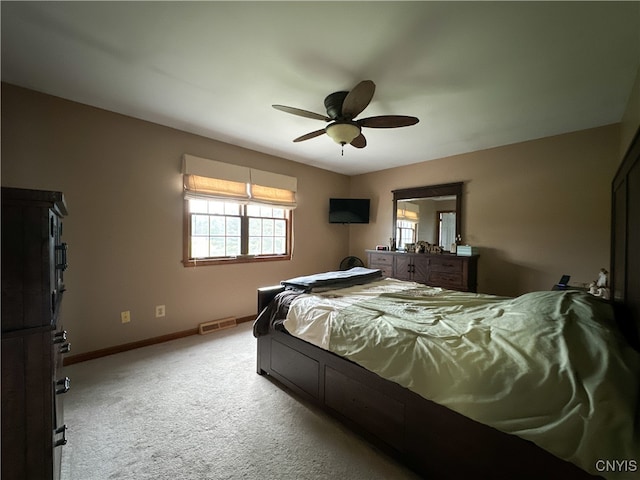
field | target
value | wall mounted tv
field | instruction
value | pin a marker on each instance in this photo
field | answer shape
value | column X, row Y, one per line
column 349, row 210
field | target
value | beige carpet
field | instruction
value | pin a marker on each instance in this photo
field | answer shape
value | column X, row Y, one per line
column 194, row 408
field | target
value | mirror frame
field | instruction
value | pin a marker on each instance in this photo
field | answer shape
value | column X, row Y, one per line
column 426, row 192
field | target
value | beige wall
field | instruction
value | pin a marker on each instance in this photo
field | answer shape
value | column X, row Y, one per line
column 122, row 182
column 537, row 209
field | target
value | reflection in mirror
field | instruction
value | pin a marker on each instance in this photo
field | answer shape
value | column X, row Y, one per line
column 431, row 220
column 429, row 214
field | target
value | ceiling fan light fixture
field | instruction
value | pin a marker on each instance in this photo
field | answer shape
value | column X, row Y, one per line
column 343, row 133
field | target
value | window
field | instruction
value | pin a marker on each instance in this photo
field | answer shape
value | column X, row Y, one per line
column 267, row 230
column 405, row 232
column 220, row 230
column 407, row 218
column 235, row 214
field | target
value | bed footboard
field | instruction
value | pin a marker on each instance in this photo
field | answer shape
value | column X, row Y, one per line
column 427, row 437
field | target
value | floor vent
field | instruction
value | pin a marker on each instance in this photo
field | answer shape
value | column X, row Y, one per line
column 216, row 325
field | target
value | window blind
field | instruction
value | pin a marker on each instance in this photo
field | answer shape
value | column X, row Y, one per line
column 409, row 211
column 213, row 179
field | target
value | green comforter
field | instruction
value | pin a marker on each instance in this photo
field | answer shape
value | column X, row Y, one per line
column 547, row 366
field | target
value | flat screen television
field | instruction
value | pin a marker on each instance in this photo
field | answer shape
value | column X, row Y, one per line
column 349, row 210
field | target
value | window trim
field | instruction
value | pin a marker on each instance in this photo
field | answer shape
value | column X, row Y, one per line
column 195, row 262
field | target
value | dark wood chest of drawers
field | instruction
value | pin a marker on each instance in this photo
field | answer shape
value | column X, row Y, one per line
column 33, row 263
column 444, row 270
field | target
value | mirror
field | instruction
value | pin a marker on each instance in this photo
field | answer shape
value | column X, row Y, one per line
column 430, row 214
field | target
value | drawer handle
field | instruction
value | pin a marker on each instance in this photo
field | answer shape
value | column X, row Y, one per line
column 66, row 348
column 60, row 337
column 63, row 441
column 65, row 383
column 62, row 265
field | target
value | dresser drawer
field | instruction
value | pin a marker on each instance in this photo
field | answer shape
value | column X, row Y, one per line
column 386, row 271
column 445, row 280
column 445, row 265
column 380, row 260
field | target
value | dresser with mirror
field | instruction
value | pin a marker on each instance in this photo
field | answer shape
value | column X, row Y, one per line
column 428, row 215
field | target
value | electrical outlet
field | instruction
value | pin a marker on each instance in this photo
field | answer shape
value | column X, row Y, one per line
column 160, row 311
column 125, row 316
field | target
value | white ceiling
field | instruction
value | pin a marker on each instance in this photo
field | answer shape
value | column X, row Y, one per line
column 476, row 74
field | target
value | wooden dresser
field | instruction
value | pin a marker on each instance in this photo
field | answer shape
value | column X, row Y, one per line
column 33, row 263
column 443, row 270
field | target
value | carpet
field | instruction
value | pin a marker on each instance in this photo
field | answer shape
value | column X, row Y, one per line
column 194, row 408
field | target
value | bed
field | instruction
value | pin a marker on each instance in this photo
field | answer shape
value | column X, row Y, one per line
column 581, row 420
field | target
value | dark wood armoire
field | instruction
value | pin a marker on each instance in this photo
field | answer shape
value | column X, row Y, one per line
column 34, row 260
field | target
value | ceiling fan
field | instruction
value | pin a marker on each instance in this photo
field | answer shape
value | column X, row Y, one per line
column 342, row 109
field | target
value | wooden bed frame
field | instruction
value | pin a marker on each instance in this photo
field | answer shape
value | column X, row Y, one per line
column 431, row 439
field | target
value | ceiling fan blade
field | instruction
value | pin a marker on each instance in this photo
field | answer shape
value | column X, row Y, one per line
column 359, row 141
column 388, row 121
column 358, row 99
column 301, row 113
column 302, row 138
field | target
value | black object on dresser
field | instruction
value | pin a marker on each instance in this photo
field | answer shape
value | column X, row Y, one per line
column 33, row 263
